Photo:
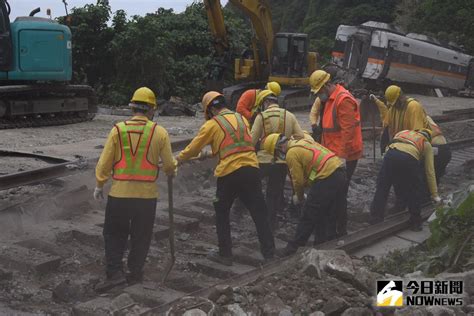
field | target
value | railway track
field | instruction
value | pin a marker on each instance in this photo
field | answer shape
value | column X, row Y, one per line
column 74, row 252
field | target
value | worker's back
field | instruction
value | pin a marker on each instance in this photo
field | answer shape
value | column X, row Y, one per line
column 274, row 120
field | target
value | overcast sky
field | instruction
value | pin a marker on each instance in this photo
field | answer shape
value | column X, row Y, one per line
column 132, row 7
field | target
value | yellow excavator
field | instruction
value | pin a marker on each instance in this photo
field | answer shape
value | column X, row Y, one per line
column 280, row 57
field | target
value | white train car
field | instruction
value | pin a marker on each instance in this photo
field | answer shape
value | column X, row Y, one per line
column 377, row 51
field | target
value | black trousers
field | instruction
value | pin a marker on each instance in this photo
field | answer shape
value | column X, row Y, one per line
column 245, row 184
column 274, row 196
column 441, row 161
column 126, row 217
column 326, row 198
column 403, row 172
column 341, row 219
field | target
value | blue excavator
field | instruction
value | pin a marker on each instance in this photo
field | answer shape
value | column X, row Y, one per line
column 35, row 71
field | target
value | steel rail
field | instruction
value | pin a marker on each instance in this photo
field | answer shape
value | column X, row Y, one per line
column 60, row 167
column 350, row 243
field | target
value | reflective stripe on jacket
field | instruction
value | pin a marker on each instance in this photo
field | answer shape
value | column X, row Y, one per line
column 320, row 156
column 133, row 164
column 342, row 132
column 273, row 113
column 236, row 140
column 411, row 137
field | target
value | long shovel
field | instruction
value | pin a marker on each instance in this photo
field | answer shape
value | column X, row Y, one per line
column 170, row 263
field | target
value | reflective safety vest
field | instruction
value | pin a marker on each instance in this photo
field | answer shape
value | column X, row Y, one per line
column 273, row 113
column 133, row 164
column 320, row 155
column 236, row 140
column 411, row 137
column 331, row 137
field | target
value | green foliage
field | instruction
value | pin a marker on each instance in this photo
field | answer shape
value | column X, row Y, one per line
column 168, row 52
column 453, row 20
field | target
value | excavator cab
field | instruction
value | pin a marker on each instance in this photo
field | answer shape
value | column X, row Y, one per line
column 5, row 37
column 290, row 55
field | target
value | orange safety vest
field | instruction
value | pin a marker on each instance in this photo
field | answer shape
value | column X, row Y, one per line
column 411, row 137
column 134, row 165
column 331, row 137
column 276, row 112
column 236, row 140
column 320, row 155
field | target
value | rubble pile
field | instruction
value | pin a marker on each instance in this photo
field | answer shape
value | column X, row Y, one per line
column 316, row 283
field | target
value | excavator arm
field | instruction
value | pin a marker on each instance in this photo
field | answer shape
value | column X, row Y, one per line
column 258, row 11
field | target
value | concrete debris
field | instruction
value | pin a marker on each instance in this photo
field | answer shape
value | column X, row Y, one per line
column 190, row 304
column 195, row 312
column 310, row 261
column 317, row 313
column 234, row 310
column 273, row 305
column 341, row 266
column 220, row 290
column 335, row 306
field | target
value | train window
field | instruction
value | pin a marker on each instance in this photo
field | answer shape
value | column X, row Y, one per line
column 455, row 57
column 406, row 44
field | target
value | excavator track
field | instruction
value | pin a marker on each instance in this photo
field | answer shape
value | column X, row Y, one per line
column 45, row 105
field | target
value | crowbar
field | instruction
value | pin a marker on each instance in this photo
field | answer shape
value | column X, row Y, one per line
column 170, row 263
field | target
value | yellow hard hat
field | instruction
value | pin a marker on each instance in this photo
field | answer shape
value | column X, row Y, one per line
column 269, row 143
column 207, row 100
column 262, row 95
column 392, row 94
column 318, row 79
column 274, row 87
column 426, row 132
column 143, row 95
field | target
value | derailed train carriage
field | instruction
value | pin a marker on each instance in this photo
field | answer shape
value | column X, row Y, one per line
column 377, row 53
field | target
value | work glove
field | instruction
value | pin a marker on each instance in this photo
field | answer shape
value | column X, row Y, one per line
column 372, row 97
column 296, row 201
column 98, row 194
column 437, row 199
column 204, row 154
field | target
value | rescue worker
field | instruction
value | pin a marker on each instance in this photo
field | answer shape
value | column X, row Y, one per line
column 414, row 118
column 341, row 129
column 317, row 108
column 315, row 120
column 246, row 105
column 314, row 166
column 237, row 173
column 131, row 155
column 400, row 168
column 400, row 113
column 273, row 120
